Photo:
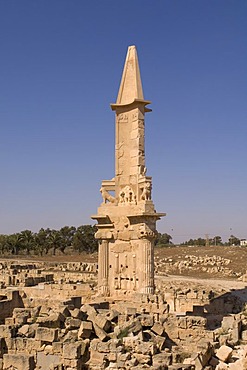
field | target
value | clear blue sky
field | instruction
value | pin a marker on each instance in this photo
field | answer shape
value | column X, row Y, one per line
column 60, row 67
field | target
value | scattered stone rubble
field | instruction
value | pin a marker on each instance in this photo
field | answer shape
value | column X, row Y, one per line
column 215, row 265
column 45, row 334
column 58, row 323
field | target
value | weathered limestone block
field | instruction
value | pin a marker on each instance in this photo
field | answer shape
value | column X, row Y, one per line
column 46, row 334
column 73, row 350
column 100, row 333
column 75, row 364
column 224, row 353
column 47, row 361
column 7, row 331
column 244, row 335
column 146, row 320
column 54, row 320
column 130, row 311
column 32, row 345
column 18, row 362
column 102, row 347
column 159, row 342
column 112, row 315
column 85, row 329
column 146, row 348
column 21, row 312
column 97, row 357
column 57, row 347
column 27, row 331
column 228, row 323
column 164, row 358
column 133, row 327
column 157, row 328
column 143, row 359
column 9, row 321
column 72, row 323
column 76, row 313
column 100, row 321
column 205, row 350
column 89, row 310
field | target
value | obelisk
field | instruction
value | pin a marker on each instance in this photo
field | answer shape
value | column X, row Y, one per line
column 127, row 217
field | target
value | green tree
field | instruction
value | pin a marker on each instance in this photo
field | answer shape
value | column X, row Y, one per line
column 14, row 243
column 233, row 240
column 217, row 240
column 3, row 243
column 54, row 241
column 84, row 240
column 42, row 241
column 27, row 240
column 162, row 240
column 67, row 234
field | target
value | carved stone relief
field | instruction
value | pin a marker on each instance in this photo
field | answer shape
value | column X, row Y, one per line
column 145, row 232
column 107, row 196
column 127, row 196
column 123, row 117
column 146, row 191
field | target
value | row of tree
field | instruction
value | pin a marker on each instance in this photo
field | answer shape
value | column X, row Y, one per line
column 217, row 240
column 80, row 239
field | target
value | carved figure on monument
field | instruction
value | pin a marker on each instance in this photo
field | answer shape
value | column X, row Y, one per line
column 106, row 196
column 146, row 191
column 145, row 232
column 127, row 195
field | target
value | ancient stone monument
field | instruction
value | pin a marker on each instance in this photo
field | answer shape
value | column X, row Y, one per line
column 127, row 218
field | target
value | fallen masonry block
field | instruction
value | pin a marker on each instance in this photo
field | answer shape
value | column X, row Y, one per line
column 73, row 350
column 85, row 329
column 130, row 311
column 112, row 315
column 71, row 323
column 244, row 335
column 76, row 313
column 224, row 353
column 157, row 328
column 18, row 362
column 54, row 320
column 96, row 357
column 57, row 347
column 164, row 358
column 146, row 320
column 27, row 330
column 7, row 331
column 100, row 321
column 129, row 327
column 47, row 361
column 89, row 310
column 146, row 348
column 46, row 334
column 100, row 333
column 73, row 364
column 142, row 359
column 159, row 342
column 21, row 312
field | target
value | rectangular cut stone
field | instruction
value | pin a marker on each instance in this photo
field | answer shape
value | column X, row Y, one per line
column 18, row 362
column 46, row 334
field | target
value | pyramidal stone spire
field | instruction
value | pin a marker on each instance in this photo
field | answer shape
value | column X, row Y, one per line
column 131, row 85
column 127, row 217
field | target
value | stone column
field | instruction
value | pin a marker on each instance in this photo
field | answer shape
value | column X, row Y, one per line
column 103, row 268
column 148, row 273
